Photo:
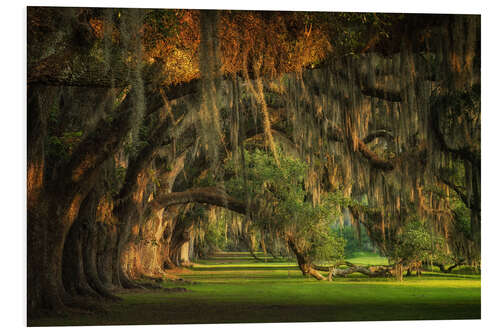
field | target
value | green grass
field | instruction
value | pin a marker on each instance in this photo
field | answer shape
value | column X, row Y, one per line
column 250, row 291
column 367, row 258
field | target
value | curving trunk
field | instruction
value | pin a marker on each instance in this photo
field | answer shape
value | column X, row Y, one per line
column 45, row 246
column 166, row 239
column 107, row 240
column 74, row 277
column 119, row 278
column 48, row 227
column 90, row 263
column 53, row 208
column 305, row 266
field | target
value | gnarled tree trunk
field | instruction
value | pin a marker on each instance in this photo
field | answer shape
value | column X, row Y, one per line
column 305, row 266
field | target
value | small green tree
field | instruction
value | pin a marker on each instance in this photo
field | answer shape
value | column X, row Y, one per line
column 326, row 247
column 284, row 208
column 413, row 245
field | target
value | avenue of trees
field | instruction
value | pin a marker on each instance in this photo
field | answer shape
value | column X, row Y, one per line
column 150, row 130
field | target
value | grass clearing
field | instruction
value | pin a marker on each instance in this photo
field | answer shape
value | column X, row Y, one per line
column 367, row 258
column 251, row 291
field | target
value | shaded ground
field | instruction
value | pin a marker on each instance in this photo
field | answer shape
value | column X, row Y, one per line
column 243, row 290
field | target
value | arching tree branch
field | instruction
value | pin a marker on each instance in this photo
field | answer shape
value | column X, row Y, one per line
column 381, row 133
column 206, row 195
column 375, row 160
column 163, row 135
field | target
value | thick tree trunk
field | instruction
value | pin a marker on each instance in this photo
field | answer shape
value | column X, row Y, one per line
column 143, row 257
column 125, row 212
column 121, row 240
column 167, row 261
column 398, row 271
column 90, row 263
column 181, row 236
column 43, row 290
column 115, row 259
column 39, row 99
column 119, row 265
column 166, row 241
column 263, row 245
column 175, row 251
column 45, row 252
column 107, row 239
column 47, row 231
column 38, row 227
column 305, row 266
column 51, row 215
column 74, row 277
column 184, row 254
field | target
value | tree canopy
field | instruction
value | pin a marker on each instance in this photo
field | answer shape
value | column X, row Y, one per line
column 141, row 121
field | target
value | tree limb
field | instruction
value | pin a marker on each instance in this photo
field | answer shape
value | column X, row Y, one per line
column 207, row 195
column 371, row 271
column 381, row 133
column 375, row 160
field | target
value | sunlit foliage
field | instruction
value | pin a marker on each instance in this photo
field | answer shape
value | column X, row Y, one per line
column 285, row 208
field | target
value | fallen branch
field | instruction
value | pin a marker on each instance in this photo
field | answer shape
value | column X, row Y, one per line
column 371, row 271
column 443, row 269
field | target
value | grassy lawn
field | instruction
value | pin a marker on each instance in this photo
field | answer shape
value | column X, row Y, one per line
column 367, row 258
column 244, row 290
